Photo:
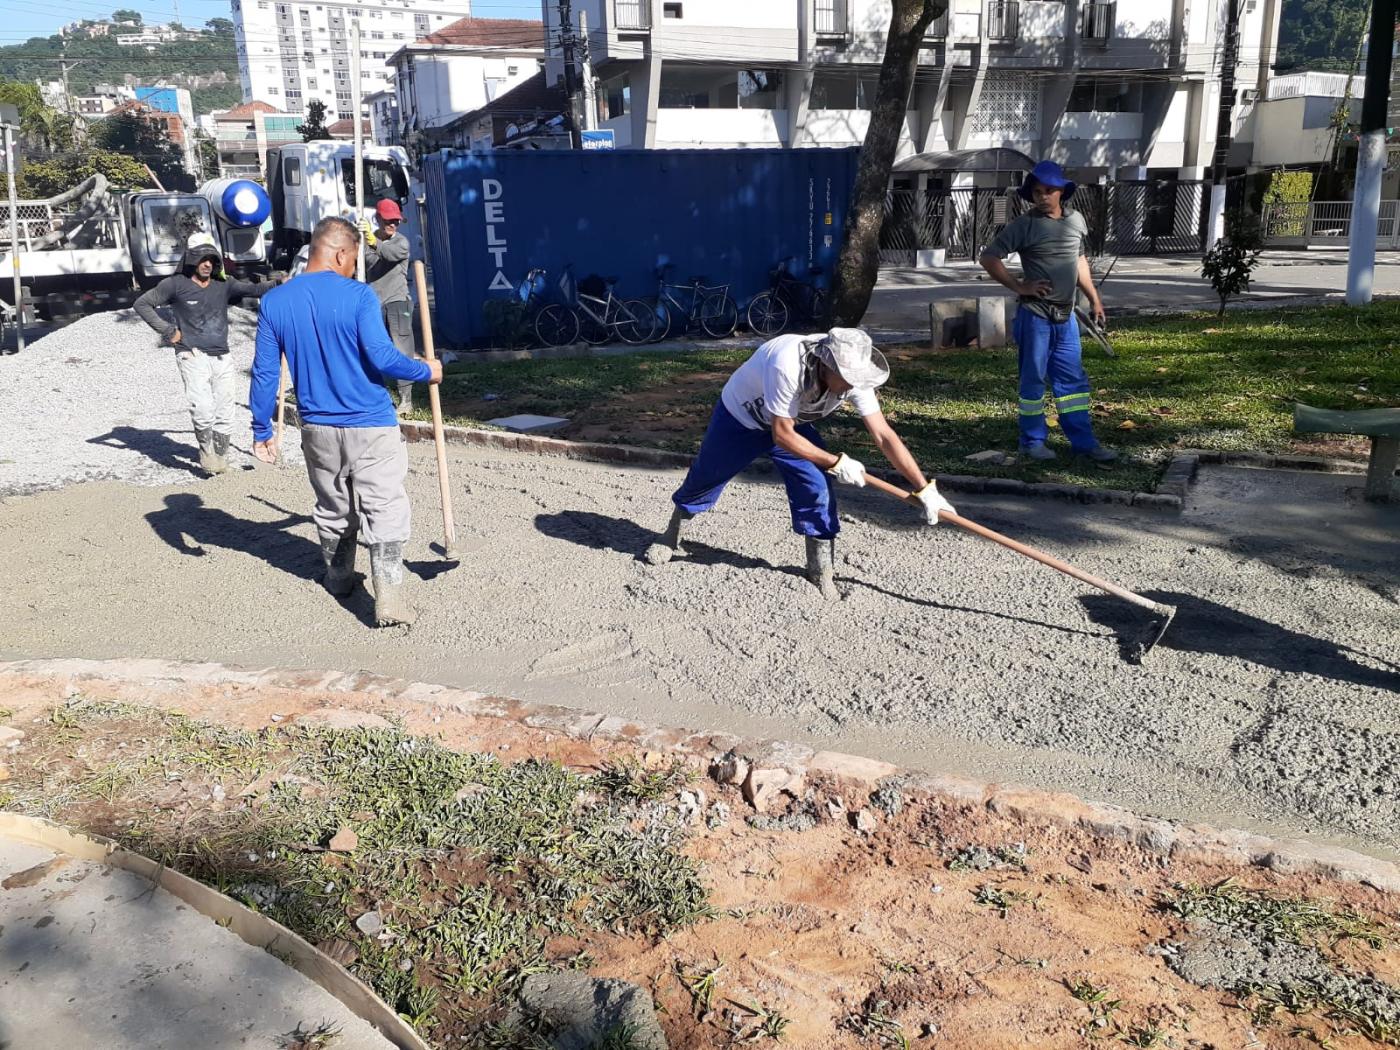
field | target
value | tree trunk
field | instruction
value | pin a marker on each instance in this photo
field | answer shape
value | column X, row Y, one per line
column 858, row 265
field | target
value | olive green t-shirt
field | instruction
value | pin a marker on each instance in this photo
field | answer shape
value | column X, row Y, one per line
column 1050, row 251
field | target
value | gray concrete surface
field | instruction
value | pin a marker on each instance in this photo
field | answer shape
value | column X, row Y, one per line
column 92, row 956
column 1167, row 282
column 1272, row 702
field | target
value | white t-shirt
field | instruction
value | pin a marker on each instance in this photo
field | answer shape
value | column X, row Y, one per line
column 770, row 383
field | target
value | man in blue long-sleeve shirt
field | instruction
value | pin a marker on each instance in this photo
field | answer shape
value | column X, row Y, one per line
column 330, row 330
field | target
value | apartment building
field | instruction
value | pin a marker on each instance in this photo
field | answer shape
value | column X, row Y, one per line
column 1126, row 89
column 243, row 134
column 458, row 70
column 292, row 52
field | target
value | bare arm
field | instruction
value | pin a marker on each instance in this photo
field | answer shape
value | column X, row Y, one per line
column 786, row 437
column 1086, row 285
column 894, row 449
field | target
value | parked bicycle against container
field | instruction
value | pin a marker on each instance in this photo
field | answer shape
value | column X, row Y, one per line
column 789, row 302
column 602, row 315
column 554, row 324
column 682, row 308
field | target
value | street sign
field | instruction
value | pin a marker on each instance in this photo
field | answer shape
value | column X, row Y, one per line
column 605, row 139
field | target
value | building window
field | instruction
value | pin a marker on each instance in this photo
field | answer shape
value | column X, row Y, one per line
column 843, row 89
column 274, row 91
column 310, row 83
column 376, row 34
column 398, row 36
column 721, row 89
column 670, row 10
column 1105, row 95
column 291, row 171
column 618, row 92
column 512, row 70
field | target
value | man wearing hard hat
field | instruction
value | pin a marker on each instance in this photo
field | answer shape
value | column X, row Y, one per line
column 1050, row 239
column 768, row 407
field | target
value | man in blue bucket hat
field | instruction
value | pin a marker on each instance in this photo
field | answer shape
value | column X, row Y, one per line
column 1050, row 239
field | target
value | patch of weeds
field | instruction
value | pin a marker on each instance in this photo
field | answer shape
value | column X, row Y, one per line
column 762, row 1022
column 999, row 858
column 626, row 778
column 618, row 1037
column 1294, row 919
column 1101, row 1007
column 317, row 1038
column 1148, row 1034
column 701, row 984
column 1000, row 899
column 876, row 1021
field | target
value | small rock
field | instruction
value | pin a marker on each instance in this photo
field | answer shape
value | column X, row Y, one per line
column 340, row 950
column 835, row 809
column 718, row 816
column 490, row 397
column 863, row 821
column 928, row 1030
column 217, row 793
column 762, row 786
column 343, row 841
column 275, row 718
column 888, row 799
column 70, row 691
column 371, row 923
column 504, row 747
column 691, row 805
column 469, row 791
column 10, row 736
column 937, row 887
column 729, row 769
column 1079, row 862
column 405, row 965
column 992, row 457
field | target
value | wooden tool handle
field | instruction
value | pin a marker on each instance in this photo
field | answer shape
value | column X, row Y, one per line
column 449, row 527
column 1020, row 548
column 283, row 381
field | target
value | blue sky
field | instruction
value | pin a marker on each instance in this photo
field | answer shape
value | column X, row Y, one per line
column 27, row 18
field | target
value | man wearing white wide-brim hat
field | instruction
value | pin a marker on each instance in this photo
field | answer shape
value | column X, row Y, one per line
column 767, row 408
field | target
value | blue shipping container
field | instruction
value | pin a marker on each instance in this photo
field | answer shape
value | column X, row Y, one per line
column 727, row 215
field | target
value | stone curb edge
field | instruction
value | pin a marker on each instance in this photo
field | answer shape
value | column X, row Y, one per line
column 636, row 456
column 1178, row 840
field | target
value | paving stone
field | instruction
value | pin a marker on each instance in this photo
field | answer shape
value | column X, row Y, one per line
column 994, row 456
column 525, row 423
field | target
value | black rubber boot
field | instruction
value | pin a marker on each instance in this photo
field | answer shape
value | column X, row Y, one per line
column 339, row 557
column 221, row 442
column 405, row 398
column 386, row 571
column 208, row 461
column 670, row 545
column 820, row 556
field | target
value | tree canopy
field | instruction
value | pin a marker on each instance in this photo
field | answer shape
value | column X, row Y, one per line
column 1321, row 34
column 48, row 178
column 313, row 127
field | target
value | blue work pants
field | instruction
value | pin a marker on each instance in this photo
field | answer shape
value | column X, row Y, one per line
column 1051, row 351
column 729, row 447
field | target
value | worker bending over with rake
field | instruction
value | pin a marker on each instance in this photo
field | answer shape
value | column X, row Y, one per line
column 199, row 298
column 329, row 328
column 767, row 408
column 1050, row 239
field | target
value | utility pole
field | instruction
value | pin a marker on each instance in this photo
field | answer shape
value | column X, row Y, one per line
column 590, row 104
column 1370, row 162
column 566, row 39
column 1225, row 124
column 359, row 142
column 11, row 133
column 63, row 65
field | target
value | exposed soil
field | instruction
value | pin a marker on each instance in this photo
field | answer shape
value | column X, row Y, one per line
column 859, row 939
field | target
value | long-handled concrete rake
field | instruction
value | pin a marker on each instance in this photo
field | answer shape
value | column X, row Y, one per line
column 1135, row 647
column 449, row 527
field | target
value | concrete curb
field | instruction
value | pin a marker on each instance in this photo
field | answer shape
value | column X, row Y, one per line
column 1285, row 461
column 1177, row 840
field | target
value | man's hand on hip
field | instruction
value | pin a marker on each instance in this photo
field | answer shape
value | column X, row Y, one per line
column 266, row 451
column 1034, row 289
column 933, row 502
column 848, row 471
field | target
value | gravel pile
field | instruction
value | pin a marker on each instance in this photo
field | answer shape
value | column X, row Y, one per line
column 101, row 399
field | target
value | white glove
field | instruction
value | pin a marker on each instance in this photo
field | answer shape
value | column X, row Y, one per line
column 933, row 502
column 848, row 470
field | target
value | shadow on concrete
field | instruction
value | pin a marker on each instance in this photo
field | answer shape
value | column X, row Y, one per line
column 155, row 445
column 598, row 531
column 931, row 604
column 1204, row 626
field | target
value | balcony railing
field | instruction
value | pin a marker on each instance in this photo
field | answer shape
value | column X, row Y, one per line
column 1098, row 20
column 632, row 16
column 938, row 28
column 1003, row 20
column 831, row 19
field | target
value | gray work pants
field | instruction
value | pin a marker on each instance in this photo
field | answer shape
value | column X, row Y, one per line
column 358, row 475
column 209, row 388
column 398, row 321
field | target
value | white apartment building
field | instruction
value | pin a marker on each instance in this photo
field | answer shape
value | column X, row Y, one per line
column 459, row 69
column 1125, row 89
column 291, row 52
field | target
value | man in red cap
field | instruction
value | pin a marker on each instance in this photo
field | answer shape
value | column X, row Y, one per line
column 386, row 271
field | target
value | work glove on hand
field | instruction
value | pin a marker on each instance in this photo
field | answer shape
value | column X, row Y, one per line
column 933, row 502
column 368, row 232
column 848, row 470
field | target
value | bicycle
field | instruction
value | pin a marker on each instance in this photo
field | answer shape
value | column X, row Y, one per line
column 601, row 314
column 787, row 301
column 709, row 307
column 553, row 323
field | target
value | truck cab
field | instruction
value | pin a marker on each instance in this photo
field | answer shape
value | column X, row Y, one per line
column 311, row 181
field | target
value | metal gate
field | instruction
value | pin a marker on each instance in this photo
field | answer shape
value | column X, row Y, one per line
column 1300, row 224
column 1156, row 217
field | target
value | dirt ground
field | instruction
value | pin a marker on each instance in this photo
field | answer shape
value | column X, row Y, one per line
column 902, row 935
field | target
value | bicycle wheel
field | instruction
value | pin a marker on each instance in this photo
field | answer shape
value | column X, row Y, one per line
column 821, row 308
column 719, row 316
column 556, row 325
column 593, row 331
column 767, row 314
column 636, row 321
column 663, row 323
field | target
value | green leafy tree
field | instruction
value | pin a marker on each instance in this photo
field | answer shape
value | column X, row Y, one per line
column 219, row 25
column 208, row 152
column 127, row 14
column 1321, row 34
column 42, row 129
column 1229, row 266
column 314, row 126
column 48, row 178
column 144, row 140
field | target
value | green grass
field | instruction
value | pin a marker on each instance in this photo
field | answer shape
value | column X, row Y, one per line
column 1296, row 919
column 474, row 865
column 1184, row 381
